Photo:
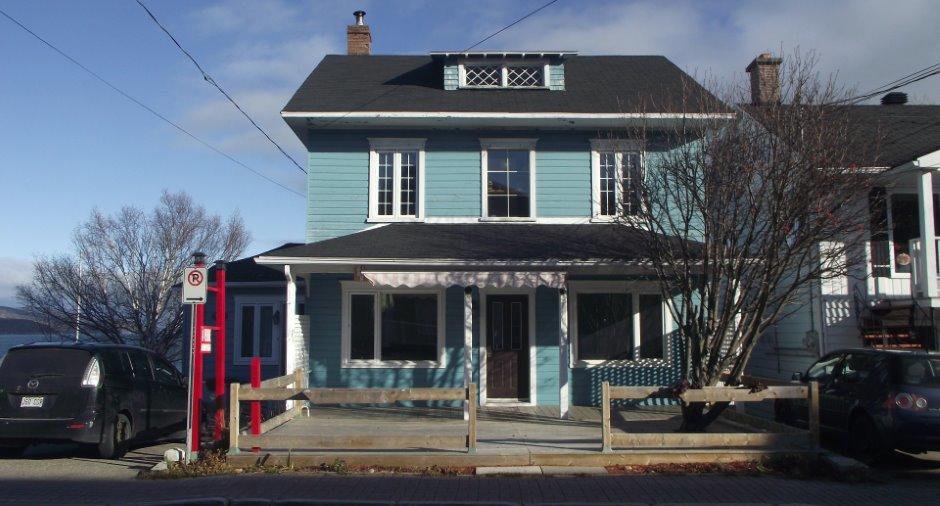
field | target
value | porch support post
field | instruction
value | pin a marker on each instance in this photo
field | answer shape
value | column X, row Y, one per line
column 468, row 348
column 927, row 235
column 291, row 360
column 563, row 352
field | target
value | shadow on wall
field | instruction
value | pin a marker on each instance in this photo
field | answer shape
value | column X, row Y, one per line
column 586, row 382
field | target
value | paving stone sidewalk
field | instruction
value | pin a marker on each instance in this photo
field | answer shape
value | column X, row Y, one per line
column 331, row 489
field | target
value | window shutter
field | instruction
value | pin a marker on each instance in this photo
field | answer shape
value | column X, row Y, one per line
column 880, row 247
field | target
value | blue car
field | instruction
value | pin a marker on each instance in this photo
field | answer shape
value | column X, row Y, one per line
column 879, row 399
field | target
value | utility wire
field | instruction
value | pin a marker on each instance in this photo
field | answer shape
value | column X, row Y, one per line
column 510, row 25
column 143, row 105
column 913, row 77
column 213, row 82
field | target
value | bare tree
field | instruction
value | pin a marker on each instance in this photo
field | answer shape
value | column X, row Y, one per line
column 122, row 274
column 769, row 200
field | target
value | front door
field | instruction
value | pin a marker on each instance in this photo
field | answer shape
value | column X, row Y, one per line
column 507, row 347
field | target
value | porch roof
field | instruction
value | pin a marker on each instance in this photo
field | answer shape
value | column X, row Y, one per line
column 482, row 243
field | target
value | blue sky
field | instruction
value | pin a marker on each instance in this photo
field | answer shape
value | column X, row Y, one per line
column 69, row 144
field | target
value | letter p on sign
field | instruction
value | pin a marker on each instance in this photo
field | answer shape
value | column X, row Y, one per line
column 194, row 285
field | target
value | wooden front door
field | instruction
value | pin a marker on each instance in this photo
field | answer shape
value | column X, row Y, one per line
column 507, row 346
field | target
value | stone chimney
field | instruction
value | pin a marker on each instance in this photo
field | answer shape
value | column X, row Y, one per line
column 765, row 79
column 358, row 36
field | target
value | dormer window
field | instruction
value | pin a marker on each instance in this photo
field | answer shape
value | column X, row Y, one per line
column 529, row 74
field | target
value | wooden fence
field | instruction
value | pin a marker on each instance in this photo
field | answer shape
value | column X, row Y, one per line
column 795, row 438
column 278, row 389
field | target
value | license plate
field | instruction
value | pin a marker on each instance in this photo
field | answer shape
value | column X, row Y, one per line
column 31, row 402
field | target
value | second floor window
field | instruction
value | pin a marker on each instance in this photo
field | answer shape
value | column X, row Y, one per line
column 617, row 177
column 508, row 178
column 395, row 179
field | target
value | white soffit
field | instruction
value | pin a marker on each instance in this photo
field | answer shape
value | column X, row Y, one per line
column 427, row 279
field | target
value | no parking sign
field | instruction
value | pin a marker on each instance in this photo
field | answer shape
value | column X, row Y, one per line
column 194, row 285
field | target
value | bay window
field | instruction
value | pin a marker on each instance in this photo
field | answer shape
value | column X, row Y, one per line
column 396, row 179
column 508, row 174
column 394, row 328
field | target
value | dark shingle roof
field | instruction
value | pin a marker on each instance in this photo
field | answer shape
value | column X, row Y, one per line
column 903, row 132
column 481, row 242
column 246, row 270
column 593, row 84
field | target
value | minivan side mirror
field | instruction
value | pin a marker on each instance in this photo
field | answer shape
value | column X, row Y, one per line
column 797, row 376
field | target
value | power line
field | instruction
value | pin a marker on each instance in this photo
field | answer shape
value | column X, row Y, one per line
column 510, row 25
column 213, row 82
column 913, row 77
column 143, row 105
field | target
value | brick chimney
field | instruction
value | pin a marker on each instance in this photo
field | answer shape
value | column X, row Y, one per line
column 765, row 79
column 358, row 36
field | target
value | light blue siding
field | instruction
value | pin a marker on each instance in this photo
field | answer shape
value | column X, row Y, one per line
column 556, row 77
column 546, row 340
column 452, row 176
column 337, row 185
column 451, row 76
column 563, row 176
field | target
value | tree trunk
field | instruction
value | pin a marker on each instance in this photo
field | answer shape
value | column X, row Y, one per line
column 695, row 417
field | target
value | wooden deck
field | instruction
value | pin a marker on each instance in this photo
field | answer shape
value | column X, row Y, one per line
column 505, row 436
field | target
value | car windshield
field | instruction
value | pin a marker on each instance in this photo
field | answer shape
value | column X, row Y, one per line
column 916, row 371
column 31, row 362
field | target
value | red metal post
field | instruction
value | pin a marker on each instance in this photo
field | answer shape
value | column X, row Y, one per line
column 219, row 350
column 197, row 371
column 256, row 405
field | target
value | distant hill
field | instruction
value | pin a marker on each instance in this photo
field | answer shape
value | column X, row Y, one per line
column 17, row 321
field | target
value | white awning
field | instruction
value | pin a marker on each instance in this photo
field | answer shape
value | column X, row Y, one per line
column 424, row 279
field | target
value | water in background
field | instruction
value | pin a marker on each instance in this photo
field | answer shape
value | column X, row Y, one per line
column 8, row 341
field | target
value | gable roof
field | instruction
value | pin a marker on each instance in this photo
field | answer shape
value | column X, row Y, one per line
column 478, row 242
column 593, row 84
column 246, row 270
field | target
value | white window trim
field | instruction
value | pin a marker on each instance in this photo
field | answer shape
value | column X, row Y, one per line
column 533, row 363
column 503, row 64
column 350, row 288
column 619, row 147
column 396, row 145
column 276, row 340
column 635, row 288
column 487, row 144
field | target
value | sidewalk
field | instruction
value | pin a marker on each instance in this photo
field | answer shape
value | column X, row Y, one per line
column 713, row 489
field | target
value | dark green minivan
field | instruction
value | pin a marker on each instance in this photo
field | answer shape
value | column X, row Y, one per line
column 105, row 395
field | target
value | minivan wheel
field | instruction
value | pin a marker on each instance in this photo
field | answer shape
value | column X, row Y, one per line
column 115, row 439
column 865, row 441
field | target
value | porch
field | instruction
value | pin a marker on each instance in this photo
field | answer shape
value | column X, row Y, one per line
column 507, row 436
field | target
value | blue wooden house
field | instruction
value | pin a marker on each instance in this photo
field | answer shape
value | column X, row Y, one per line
column 465, row 222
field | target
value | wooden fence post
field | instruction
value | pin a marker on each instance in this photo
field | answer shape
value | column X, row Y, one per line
column 813, row 418
column 233, row 421
column 472, row 418
column 605, row 415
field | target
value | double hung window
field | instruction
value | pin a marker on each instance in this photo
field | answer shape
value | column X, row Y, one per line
column 617, row 178
column 508, row 178
column 396, row 179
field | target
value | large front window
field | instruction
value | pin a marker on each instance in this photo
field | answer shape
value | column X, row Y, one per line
column 611, row 324
column 392, row 328
column 395, row 179
column 509, row 179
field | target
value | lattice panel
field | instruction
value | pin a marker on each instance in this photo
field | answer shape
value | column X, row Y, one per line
column 523, row 77
column 483, row 75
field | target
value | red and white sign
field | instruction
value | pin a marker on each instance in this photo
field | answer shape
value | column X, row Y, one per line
column 194, row 285
column 205, row 341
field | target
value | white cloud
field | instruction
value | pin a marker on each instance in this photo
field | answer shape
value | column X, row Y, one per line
column 13, row 272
